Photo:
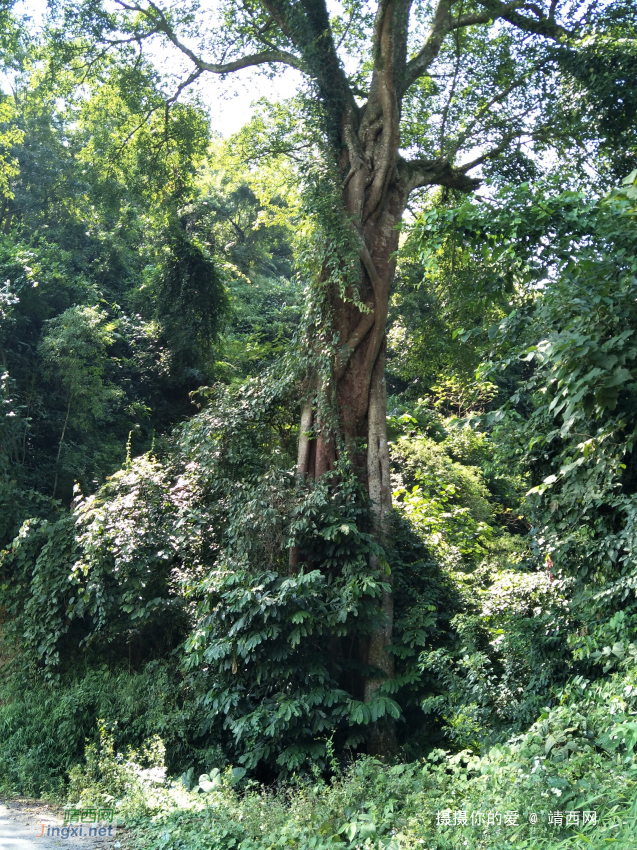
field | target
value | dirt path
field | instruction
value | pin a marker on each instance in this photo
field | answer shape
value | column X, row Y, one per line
column 21, row 824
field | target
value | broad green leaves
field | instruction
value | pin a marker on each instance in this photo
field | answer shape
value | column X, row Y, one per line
column 573, row 340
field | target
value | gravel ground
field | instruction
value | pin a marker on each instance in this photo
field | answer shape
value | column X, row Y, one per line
column 21, row 824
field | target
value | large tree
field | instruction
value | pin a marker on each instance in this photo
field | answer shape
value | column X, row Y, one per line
column 408, row 95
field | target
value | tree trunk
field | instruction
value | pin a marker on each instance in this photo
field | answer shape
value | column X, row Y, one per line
column 359, row 382
column 376, row 182
column 383, row 738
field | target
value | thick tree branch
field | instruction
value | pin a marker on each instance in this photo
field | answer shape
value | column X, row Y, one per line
column 544, row 26
column 440, row 26
column 471, row 20
column 416, row 173
column 306, row 24
column 444, row 23
column 160, row 24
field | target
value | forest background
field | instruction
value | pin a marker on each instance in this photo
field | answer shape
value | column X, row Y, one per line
column 316, row 446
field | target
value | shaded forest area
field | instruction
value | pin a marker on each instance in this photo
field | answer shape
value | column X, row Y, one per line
column 318, row 501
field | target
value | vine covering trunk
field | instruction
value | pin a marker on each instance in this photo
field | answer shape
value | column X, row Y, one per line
column 377, row 183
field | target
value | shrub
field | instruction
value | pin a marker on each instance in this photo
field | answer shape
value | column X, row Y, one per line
column 44, row 727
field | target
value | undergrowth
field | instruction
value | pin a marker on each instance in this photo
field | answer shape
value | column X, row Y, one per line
column 579, row 756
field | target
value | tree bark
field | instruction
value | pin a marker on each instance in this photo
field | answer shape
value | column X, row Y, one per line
column 358, row 385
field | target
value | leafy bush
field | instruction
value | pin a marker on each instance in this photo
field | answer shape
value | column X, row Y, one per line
column 571, row 424
column 271, row 643
column 44, row 728
column 100, row 576
column 483, row 635
column 422, row 460
column 509, row 655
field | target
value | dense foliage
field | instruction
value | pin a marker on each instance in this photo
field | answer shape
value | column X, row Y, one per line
column 184, row 618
